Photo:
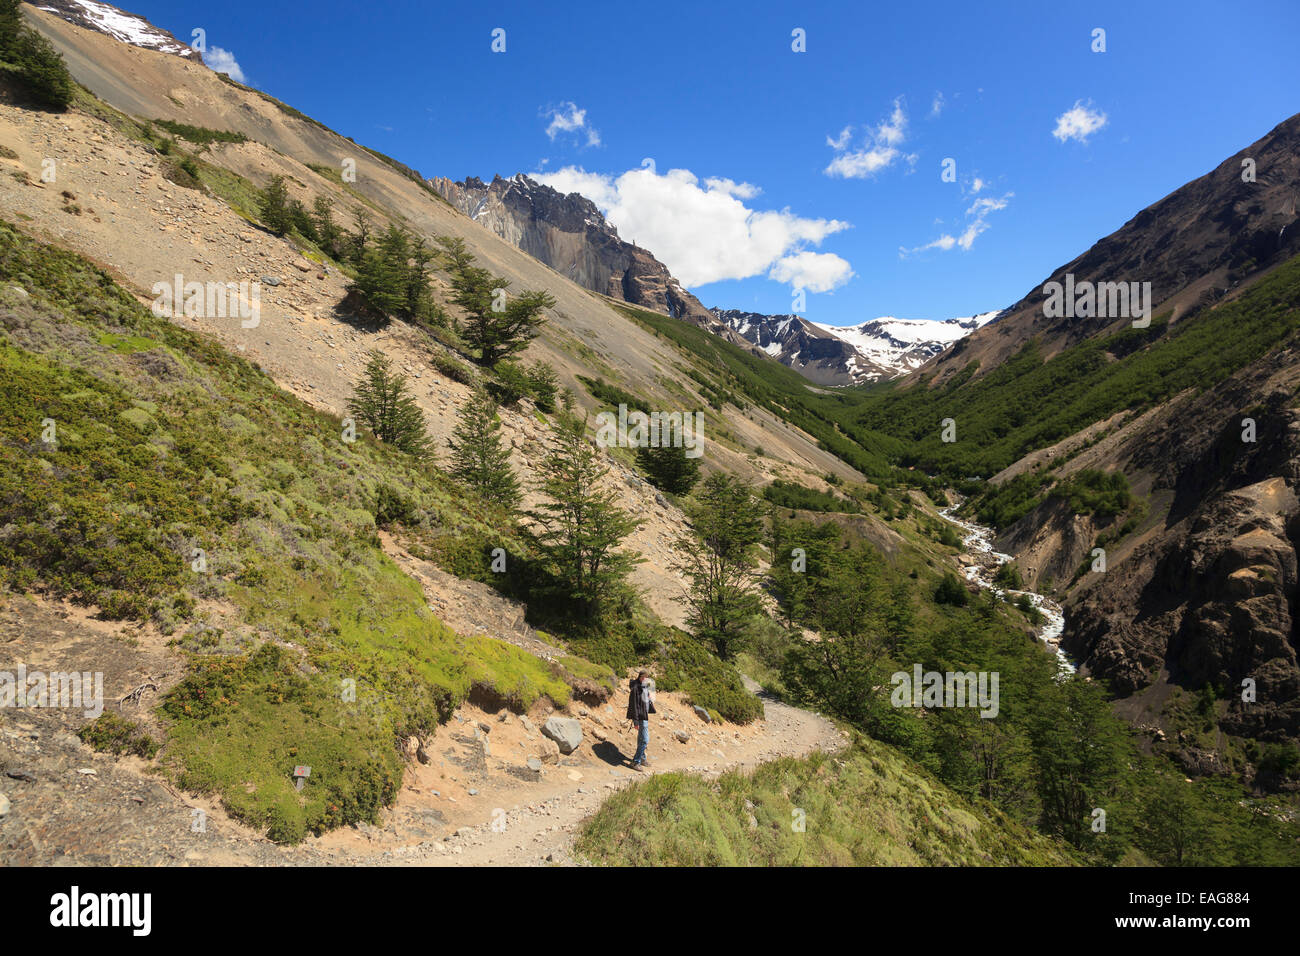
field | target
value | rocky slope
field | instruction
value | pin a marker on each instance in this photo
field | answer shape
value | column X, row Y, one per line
column 570, row 235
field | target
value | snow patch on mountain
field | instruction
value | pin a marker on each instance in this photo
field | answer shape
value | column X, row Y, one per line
column 880, row 349
column 896, row 346
column 118, row 24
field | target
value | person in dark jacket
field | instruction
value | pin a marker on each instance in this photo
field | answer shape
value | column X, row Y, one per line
column 640, row 705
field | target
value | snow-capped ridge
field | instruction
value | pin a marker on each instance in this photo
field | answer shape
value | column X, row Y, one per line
column 880, row 349
column 118, row 24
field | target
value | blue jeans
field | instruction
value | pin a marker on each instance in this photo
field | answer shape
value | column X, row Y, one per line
column 642, row 741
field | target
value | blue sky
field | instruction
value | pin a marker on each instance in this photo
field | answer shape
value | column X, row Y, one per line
column 773, row 168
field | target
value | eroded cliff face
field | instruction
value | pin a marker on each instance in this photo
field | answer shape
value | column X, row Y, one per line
column 569, row 234
column 1205, row 591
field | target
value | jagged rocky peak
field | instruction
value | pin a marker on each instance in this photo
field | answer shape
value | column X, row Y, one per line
column 880, row 349
column 569, row 234
column 118, row 24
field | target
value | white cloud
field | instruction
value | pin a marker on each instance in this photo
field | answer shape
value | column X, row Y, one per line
column 841, row 141
column 568, row 118
column 937, row 104
column 977, row 184
column 223, row 61
column 733, row 188
column 984, row 206
column 704, row 232
column 1079, row 122
column 814, row 271
column 879, row 151
column 980, row 210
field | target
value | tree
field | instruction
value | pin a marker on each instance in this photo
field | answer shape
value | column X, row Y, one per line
column 381, row 279
column 951, row 591
column 544, row 383
column 580, row 525
column 478, row 457
column 720, row 560
column 1175, row 826
column 32, row 60
column 382, row 402
column 359, row 239
column 668, row 468
column 328, row 231
column 496, row 324
column 800, row 551
column 1081, row 750
column 273, row 206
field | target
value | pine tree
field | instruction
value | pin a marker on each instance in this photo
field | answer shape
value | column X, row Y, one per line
column 381, row 276
column 478, row 457
column 580, row 525
column 327, row 229
column 720, row 562
column 359, row 240
column 32, row 60
column 274, row 208
column 496, row 324
column 382, row 402
column 669, row 469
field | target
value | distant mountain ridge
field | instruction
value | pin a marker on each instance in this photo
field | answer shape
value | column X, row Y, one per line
column 876, row 350
column 118, row 24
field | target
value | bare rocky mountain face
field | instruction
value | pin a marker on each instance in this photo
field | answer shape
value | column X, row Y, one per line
column 873, row 351
column 1204, row 591
column 569, row 234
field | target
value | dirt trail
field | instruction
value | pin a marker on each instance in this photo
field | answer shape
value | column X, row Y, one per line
column 473, row 799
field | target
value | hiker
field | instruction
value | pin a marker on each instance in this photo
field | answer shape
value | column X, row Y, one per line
column 640, row 705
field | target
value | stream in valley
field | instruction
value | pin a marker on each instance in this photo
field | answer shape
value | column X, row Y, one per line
column 978, row 542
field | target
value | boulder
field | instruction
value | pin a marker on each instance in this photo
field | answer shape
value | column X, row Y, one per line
column 565, row 731
column 549, row 751
column 703, row 714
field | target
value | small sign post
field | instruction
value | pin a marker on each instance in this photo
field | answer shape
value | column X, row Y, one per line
column 300, row 775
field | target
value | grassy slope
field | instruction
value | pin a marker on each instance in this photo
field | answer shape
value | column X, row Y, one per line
column 868, row 806
column 166, row 444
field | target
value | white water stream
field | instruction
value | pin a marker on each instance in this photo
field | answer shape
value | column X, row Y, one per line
column 978, row 540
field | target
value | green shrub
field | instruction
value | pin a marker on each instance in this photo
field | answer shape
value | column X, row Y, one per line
column 688, row 666
column 951, row 591
column 1094, row 492
column 456, row 371
column 789, row 494
column 199, row 134
column 115, row 734
column 509, row 383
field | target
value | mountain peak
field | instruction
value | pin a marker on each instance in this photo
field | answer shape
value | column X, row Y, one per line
column 118, row 24
column 569, row 234
column 873, row 351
